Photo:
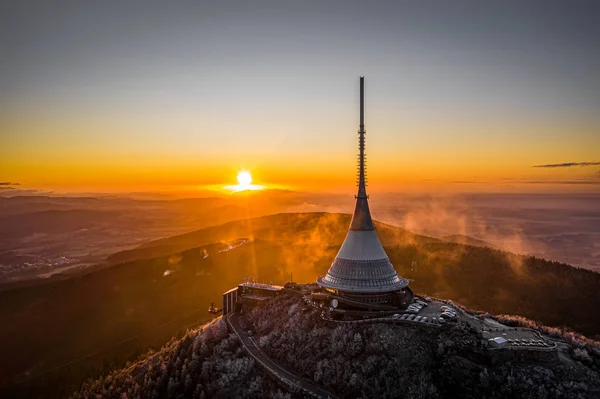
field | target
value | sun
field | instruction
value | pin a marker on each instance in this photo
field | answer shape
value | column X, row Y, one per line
column 244, row 179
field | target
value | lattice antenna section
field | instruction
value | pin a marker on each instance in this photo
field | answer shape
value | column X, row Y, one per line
column 362, row 161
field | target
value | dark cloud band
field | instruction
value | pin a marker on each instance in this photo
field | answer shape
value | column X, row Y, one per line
column 567, row 164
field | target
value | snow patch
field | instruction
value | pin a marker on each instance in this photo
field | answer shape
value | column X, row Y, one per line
column 236, row 245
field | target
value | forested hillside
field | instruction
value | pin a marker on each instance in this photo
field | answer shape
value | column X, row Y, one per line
column 365, row 360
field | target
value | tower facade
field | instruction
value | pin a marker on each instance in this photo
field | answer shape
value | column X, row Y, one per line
column 362, row 271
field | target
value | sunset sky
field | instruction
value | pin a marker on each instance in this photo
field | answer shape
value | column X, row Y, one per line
column 162, row 95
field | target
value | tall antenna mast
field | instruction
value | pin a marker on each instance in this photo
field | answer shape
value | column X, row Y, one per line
column 362, row 181
column 362, row 216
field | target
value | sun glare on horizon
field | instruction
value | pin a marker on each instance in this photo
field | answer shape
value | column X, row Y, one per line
column 244, row 179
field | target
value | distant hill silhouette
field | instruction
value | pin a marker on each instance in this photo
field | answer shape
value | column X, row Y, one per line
column 466, row 240
column 15, row 228
column 51, row 222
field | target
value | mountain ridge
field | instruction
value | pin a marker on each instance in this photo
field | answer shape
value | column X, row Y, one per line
column 256, row 227
column 350, row 360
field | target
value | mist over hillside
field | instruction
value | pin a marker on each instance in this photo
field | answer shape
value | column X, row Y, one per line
column 60, row 236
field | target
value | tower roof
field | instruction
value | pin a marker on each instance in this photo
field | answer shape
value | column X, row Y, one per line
column 361, row 265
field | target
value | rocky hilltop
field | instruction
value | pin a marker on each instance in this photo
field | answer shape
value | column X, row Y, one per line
column 375, row 358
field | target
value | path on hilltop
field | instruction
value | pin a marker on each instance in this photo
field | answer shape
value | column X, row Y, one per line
column 276, row 370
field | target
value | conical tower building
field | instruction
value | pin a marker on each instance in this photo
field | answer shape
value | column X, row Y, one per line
column 362, row 272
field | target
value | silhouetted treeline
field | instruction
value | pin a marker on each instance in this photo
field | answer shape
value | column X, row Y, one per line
column 368, row 360
column 500, row 282
column 205, row 363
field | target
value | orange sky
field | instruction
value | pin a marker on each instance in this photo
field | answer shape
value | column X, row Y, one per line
column 68, row 154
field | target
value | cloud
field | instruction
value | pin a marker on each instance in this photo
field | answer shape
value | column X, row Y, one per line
column 13, row 191
column 593, row 182
column 470, row 182
column 7, row 183
column 569, row 182
column 567, row 164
